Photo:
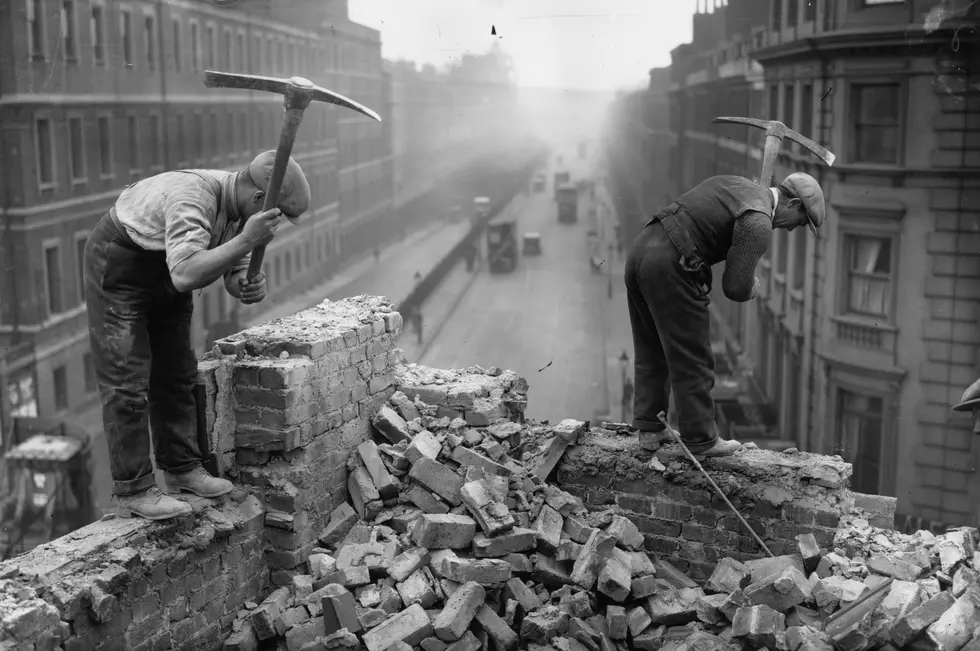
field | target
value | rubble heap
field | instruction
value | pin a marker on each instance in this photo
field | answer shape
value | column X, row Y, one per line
column 452, row 539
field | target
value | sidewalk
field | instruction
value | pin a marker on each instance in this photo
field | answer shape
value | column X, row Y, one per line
column 392, row 276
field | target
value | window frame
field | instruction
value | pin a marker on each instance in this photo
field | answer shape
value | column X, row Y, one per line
column 177, row 38
column 98, row 48
column 158, row 141
column 69, row 30
column 242, row 50
column 125, row 13
column 110, row 145
column 197, row 134
column 62, row 370
column 36, row 24
column 210, row 42
column 150, row 33
column 46, row 245
column 842, row 381
column 71, row 116
column 133, row 144
column 227, row 48
column 194, row 37
column 77, row 238
column 853, row 111
column 849, row 230
column 53, row 182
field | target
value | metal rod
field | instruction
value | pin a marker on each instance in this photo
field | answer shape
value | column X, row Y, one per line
column 677, row 438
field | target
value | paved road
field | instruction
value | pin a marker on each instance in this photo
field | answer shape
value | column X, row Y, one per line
column 544, row 320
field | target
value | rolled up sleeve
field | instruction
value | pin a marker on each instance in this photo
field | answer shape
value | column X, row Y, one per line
column 188, row 227
column 241, row 265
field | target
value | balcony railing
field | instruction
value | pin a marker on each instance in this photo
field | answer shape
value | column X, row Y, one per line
column 865, row 335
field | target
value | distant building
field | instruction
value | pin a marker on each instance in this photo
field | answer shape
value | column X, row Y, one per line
column 867, row 335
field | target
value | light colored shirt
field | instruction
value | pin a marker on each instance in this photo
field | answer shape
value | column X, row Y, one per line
column 182, row 212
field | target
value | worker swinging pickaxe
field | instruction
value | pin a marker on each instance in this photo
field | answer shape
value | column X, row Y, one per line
column 297, row 93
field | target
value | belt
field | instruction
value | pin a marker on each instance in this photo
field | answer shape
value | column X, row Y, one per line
column 679, row 235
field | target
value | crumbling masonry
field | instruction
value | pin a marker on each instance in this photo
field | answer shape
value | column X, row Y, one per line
column 384, row 505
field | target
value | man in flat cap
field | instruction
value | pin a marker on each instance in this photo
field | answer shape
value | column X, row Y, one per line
column 668, row 277
column 166, row 236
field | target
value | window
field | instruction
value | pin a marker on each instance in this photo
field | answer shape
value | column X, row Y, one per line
column 209, row 46
column 180, row 140
column 799, row 257
column 289, row 266
column 97, row 29
column 90, row 384
column 792, row 15
column 69, row 30
column 132, row 124
column 76, row 148
column 60, row 388
column 35, row 31
column 774, row 102
column 126, row 34
column 776, row 16
column 793, row 388
column 227, row 54
column 809, row 10
column 199, row 136
column 155, row 142
column 259, row 58
column 52, row 276
column 806, row 111
column 869, row 275
column 243, row 132
column 105, row 146
column 195, row 47
column 782, row 250
column 242, row 53
column 875, row 116
column 789, row 105
column 215, row 139
column 44, row 147
column 860, row 425
column 177, row 47
column 150, row 41
column 231, row 132
column 80, row 242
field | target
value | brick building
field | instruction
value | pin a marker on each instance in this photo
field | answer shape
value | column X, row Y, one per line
column 868, row 334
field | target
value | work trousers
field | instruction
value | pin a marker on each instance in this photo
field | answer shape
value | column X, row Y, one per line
column 140, row 332
column 668, row 306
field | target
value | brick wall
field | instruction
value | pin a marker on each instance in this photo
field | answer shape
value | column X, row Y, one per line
column 287, row 403
column 781, row 495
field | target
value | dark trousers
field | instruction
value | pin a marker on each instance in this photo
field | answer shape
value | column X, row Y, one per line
column 668, row 308
column 140, row 331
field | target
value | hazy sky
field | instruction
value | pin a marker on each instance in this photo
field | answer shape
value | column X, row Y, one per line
column 557, row 43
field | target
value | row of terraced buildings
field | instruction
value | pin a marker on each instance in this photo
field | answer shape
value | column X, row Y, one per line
column 97, row 94
column 867, row 335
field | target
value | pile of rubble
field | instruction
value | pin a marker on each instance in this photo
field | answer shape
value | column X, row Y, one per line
column 453, row 540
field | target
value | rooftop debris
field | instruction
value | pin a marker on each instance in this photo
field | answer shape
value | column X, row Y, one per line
column 452, row 540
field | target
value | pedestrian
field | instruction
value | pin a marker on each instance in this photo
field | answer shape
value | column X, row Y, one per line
column 668, row 279
column 166, row 236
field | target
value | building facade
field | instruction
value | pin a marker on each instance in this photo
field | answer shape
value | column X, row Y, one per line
column 868, row 334
column 97, row 94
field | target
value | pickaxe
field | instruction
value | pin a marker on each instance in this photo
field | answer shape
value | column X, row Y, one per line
column 775, row 132
column 297, row 94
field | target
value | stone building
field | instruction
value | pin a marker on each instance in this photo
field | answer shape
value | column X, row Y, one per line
column 868, row 334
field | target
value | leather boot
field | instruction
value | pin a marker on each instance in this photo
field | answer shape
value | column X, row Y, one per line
column 721, row 448
column 653, row 441
column 151, row 504
column 199, row 482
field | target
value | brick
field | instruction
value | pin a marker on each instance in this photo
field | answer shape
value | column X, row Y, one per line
column 423, row 444
column 548, row 524
column 637, row 620
column 426, row 500
column 955, row 627
column 416, row 590
column 408, row 562
column 596, row 551
column 377, row 557
column 761, row 625
column 728, row 576
column 467, row 457
column 518, row 591
column 616, row 622
column 625, row 532
column 410, row 626
column 493, row 517
column 266, row 619
column 614, row 580
column 460, row 609
column 443, row 531
column 438, row 478
column 780, row 591
column 385, row 484
column 544, row 624
column 576, row 529
column 485, row 571
column 390, row 425
column 504, row 638
column 515, row 540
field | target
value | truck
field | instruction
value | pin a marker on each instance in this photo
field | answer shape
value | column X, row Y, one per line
column 502, row 246
column 567, row 204
column 561, row 178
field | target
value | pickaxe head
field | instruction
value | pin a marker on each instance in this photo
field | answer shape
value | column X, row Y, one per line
column 297, row 91
column 779, row 130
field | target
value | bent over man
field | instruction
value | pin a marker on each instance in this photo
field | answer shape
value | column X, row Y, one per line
column 166, row 236
column 668, row 277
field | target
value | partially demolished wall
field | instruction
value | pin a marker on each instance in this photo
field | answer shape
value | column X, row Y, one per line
column 291, row 406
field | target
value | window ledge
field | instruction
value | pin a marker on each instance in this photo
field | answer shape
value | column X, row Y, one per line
column 107, row 177
column 796, row 294
column 63, row 316
column 864, row 321
column 79, row 181
column 44, row 187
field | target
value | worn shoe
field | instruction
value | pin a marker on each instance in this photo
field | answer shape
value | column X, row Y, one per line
column 199, row 482
column 721, row 448
column 151, row 504
column 653, row 440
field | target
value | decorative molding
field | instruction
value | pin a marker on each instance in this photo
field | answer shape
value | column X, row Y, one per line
column 866, row 207
column 892, row 376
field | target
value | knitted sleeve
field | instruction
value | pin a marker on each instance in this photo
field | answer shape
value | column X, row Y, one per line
column 750, row 241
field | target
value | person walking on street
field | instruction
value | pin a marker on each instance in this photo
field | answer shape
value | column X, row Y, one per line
column 668, row 280
column 166, row 236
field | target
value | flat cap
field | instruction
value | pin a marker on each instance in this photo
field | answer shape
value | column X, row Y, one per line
column 970, row 399
column 294, row 196
column 805, row 188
